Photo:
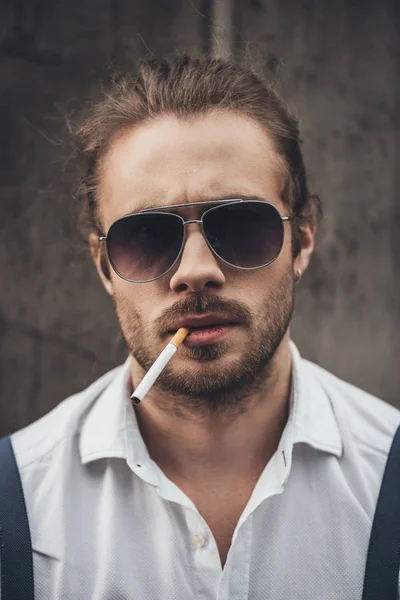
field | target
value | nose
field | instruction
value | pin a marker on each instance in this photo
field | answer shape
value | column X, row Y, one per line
column 198, row 268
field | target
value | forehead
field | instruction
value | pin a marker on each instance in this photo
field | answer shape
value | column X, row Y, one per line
column 169, row 161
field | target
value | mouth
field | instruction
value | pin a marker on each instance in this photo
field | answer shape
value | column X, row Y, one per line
column 203, row 323
column 206, row 329
column 210, row 334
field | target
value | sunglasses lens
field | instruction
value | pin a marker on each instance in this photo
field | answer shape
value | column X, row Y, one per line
column 143, row 247
column 247, row 235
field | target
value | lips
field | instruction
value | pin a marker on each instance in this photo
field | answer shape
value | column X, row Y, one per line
column 200, row 322
column 210, row 334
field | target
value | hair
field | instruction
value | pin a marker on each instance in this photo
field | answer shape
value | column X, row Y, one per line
column 186, row 86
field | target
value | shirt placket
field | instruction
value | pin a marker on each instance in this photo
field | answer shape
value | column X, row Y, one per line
column 210, row 581
column 234, row 583
column 204, row 554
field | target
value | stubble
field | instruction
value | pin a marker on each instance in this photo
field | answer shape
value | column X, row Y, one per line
column 213, row 388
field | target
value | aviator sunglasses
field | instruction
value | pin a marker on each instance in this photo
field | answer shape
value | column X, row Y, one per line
column 245, row 234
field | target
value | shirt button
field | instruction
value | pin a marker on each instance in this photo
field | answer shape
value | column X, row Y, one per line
column 198, row 540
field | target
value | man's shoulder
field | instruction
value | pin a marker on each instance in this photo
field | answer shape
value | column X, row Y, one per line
column 370, row 420
column 32, row 443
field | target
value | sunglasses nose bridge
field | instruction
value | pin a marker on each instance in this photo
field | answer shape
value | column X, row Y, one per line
column 192, row 221
column 184, row 223
column 200, row 222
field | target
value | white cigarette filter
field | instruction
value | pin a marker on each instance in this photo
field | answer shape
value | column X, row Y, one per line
column 158, row 365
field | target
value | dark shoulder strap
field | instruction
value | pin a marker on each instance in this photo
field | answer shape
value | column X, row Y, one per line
column 381, row 579
column 15, row 537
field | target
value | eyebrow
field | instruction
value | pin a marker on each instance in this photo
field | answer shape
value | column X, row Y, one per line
column 182, row 205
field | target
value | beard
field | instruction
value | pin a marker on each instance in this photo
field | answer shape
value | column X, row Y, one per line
column 213, row 388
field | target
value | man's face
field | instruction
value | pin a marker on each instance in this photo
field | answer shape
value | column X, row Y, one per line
column 170, row 161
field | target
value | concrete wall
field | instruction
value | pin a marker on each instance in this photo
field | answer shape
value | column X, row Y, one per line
column 340, row 69
column 339, row 63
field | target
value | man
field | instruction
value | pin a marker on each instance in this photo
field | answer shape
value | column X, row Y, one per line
column 245, row 472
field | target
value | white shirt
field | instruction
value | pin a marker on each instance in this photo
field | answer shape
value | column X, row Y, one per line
column 107, row 524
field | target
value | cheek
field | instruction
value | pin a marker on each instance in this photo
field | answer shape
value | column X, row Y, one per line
column 137, row 300
column 125, row 299
column 270, row 283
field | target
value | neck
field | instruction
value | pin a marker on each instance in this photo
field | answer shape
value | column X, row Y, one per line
column 190, row 447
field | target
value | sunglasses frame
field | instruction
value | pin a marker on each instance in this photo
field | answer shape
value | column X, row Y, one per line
column 161, row 209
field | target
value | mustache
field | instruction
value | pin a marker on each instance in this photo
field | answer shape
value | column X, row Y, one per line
column 199, row 304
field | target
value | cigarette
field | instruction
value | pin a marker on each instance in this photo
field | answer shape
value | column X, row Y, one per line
column 158, row 365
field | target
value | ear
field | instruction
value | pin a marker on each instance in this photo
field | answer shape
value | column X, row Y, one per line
column 307, row 243
column 96, row 252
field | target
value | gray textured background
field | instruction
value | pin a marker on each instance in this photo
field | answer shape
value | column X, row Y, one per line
column 338, row 63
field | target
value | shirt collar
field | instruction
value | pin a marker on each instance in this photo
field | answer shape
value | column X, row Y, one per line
column 314, row 421
column 111, row 429
column 103, row 431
